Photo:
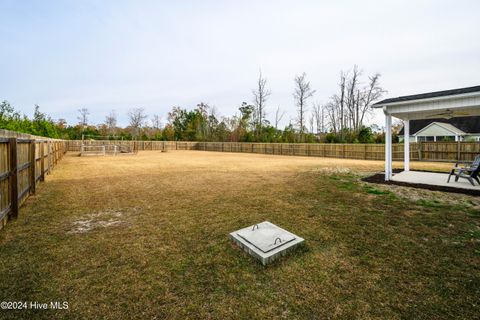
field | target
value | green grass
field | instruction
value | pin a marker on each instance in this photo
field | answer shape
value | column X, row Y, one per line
column 159, row 246
column 373, row 190
column 430, row 203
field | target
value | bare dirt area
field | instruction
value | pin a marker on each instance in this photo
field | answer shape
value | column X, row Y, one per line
column 146, row 236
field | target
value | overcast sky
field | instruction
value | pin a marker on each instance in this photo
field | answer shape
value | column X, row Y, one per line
column 104, row 55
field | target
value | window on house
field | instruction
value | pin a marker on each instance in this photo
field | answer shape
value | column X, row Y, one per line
column 445, row 138
column 425, row 138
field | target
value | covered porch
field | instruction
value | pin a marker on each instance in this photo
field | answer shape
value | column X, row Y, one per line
column 463, row 102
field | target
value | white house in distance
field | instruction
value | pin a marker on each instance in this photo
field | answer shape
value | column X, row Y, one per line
column 444, row 129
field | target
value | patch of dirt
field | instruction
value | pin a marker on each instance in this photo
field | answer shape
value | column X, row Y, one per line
column 334, row 170
column 103, row 219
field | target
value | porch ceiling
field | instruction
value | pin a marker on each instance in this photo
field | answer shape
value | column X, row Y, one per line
column 459, row 105
column 433, row 113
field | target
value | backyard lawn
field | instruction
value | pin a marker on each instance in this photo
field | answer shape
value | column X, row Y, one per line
column 146, row 236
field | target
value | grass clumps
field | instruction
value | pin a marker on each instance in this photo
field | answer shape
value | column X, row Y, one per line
column 372, row 190
column 430, row 203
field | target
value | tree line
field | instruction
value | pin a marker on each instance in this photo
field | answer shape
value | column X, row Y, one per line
column 341, row 119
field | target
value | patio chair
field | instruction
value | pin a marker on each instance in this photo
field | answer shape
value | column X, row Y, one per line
column 466, row 170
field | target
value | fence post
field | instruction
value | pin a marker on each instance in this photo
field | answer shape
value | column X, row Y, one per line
column 42, row 161
column 49, row 149
column 54, row 154
column 458, row 150
column 420, row 151
column 33, row 162
column 14, row 177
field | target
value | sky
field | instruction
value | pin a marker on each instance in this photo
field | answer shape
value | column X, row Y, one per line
column 117, row 55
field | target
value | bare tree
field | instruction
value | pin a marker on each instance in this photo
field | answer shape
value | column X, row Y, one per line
column 353, row 99
column 212, row 122
column 156, row 122
column 111, row 122
column 360, row 98
column 348, row 108
column 260, row 96
column 341, row 101
column 137, row 118
column 83, row 117
column 372, row 93
column 311, row 122
column 318, row 112
column 333, row 113
column 278, row 117
column 301, row 94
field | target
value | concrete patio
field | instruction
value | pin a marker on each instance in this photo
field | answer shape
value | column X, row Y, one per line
column 434, row 179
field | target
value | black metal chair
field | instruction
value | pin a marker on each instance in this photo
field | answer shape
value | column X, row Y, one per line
column 466, row 170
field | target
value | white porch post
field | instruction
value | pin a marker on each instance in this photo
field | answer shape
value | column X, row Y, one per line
column 406, row 145
column 388, row 146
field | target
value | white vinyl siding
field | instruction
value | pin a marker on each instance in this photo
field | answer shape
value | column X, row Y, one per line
column 435, row 130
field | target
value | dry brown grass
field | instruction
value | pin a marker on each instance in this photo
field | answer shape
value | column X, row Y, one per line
column 146, row 237
column 218, row 161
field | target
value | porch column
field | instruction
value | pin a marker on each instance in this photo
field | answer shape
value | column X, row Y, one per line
column 406, row 145
column 388, row 146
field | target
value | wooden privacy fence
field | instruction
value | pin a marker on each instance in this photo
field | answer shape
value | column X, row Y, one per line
column 23, row 164
column 424, row 151
column 75, row 145
column 448, row 151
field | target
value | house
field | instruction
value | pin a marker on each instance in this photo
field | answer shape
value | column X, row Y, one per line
column 444, row 129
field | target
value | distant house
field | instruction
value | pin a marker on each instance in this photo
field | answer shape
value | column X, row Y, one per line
column 441, row 129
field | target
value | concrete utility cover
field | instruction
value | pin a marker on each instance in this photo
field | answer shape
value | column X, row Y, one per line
column 266, row 236
column 265, row 241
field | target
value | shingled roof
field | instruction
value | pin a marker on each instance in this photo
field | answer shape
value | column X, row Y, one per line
column 466, row 124
column 429, row 95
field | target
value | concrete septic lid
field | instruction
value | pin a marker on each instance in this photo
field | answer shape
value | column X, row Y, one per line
column 266, row 236
column 265, row 241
